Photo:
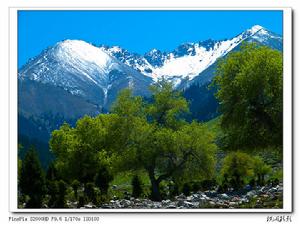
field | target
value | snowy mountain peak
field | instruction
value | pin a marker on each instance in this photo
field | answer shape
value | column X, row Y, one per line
column 188, row 60
column 75, row 51
column 255, row 29
column 71, row 62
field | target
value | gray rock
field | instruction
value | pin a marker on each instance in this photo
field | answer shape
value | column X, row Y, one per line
column 243, row 200
column 273, row 190
column 125, row 203
column 106, row 206
column 224, row 196
column 233, row 204
column 89, row 206
column 165, row 202
column 194, row 197
column 212, row 203
column 251, row 194
column 171, row 206
column 181, row 196
column 188, row 204
column 263, row 189
column 235, row 199
column 137, row 200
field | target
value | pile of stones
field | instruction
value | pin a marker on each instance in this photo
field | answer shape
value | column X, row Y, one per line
column 260, row 197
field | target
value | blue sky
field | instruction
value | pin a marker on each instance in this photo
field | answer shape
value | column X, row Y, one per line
column 137, row 31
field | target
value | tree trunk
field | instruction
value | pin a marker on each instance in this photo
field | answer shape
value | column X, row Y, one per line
column 155, row 194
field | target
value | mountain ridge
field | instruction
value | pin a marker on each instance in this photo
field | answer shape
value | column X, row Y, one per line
column 189, row 59
column 76, row 73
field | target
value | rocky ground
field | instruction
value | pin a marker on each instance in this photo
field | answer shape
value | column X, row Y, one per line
column 262, row 197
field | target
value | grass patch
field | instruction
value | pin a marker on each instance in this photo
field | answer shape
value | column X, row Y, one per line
column 122, row 183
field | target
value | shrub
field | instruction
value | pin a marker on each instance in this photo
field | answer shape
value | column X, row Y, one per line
column 260, row 170
column 207, row 184
column 75, row 185
column 237, row 169
column 240, row 168
column 276, row 177
column 103, row 178
column 173, row 189
column 81, row 202
column 136, row 187
column 61, row 200
column 89, row 191
column 186, row 189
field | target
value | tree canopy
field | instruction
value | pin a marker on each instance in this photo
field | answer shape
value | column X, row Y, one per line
column 250, row 92
column 160, row 141
column 32, row 179
column 137, row 135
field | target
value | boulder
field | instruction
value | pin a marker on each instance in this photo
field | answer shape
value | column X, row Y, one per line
column 251, row 194
column 171, row 206
column 188, row 204
column 224, row 196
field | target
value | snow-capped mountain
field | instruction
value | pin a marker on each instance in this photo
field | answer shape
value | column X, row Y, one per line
column 189, row 60
column 84, row 70
column 74, row 78
column 98, row 73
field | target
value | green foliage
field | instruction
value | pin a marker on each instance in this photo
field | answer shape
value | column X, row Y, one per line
column 61, row 201
column 75, row 185
column 136, row 186
column 57, row 191
column 89, row 191
column 79, row 151
column 20, row 147
column 239, row 168
column 173, row 189
column 103, row 178
column 160, row 142
column 186, row 189
column 250, row 92
column 136, row 135
column 260, row 170
column 52, row 187
column 276, row 176
column 81, row 202
column 128, row 106
column 51, row 173
column 168, row 106
column 32, row 180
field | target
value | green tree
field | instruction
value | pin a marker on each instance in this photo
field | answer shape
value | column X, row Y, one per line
column 81, row 202
column 79, row 151
column 237, row 169
column 52, row 187
column 61, row 200
column 136, row 135
column 136, row 186
column 103, row 178
column 75, row 185
column 89, row 190
column 260, row 170
column 168, row 106
column 20, row 148
column 32, row 179
column 159, row 141
column 250, row 93
column 51, row 174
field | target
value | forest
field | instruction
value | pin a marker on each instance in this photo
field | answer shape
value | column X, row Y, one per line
column 146, row 154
